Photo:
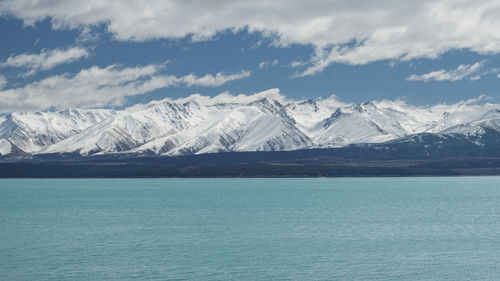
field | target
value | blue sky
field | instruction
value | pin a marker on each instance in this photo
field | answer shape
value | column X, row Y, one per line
column 59, row 54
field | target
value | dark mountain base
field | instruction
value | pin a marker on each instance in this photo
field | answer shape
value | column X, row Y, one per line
column 135, row 168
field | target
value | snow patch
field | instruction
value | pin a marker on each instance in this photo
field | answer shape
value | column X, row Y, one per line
column 5, row 147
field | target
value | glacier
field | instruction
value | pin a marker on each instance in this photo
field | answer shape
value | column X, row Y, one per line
column 266, row 121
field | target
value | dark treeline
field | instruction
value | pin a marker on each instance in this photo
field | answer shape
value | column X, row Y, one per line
column 144, row 168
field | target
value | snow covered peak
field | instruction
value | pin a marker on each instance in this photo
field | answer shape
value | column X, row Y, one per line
column 31, row 132
column 224, row 98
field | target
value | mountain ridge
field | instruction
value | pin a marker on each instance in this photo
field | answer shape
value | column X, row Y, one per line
column 266, row 121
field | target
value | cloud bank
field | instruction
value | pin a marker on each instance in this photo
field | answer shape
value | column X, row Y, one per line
column 99, row 87
column 45, row 60
column 351, row 32
column 461, row 72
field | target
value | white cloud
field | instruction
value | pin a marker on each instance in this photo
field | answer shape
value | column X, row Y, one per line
column 461, row 72
column 3, row 82
column 45, row 60
column 268, row 63
column 352, row 32
column 297, row 63
column 210, row 80
column 97, row 87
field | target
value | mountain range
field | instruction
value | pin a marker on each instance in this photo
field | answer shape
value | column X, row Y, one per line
column 265, row 121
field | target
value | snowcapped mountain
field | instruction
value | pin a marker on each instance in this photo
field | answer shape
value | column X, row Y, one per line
column 32, row 132
column 266, row 121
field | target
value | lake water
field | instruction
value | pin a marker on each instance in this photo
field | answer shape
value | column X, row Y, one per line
column 250, row 229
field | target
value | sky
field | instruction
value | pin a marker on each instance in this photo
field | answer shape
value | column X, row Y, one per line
column 57, row 54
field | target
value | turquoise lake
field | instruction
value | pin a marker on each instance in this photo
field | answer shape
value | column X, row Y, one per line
column 250, row 229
